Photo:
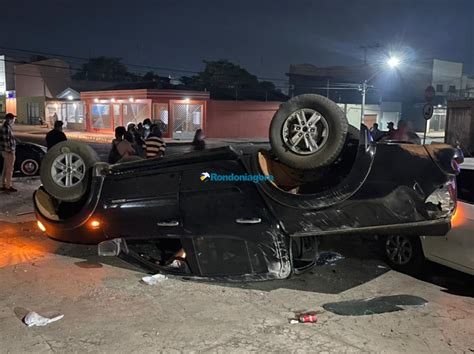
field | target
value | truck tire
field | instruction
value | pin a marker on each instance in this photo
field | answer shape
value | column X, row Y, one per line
column 66, row 170
column 308, row 131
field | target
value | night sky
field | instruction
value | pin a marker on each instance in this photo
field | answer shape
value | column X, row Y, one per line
column 264, row 36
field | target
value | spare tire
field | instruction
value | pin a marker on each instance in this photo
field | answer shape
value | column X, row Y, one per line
column 308, row 131
column 66, row 170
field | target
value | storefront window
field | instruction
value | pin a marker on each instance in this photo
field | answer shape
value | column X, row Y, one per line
column 116, row 115
column 73, row 112
column 135, row 113
column 100, row 114
column 187, row 118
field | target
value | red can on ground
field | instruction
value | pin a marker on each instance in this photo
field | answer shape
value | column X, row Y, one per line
column 308, row 318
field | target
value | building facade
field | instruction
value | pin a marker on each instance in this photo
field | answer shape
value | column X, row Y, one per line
column 36, row 83
column 179, row 113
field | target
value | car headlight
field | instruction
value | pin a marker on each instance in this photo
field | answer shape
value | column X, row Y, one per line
column 442, row 202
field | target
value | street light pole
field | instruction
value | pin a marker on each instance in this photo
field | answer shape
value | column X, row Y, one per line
column 392, row 62
column 362, row 107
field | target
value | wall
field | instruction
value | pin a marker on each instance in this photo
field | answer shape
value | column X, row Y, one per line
column 10, row 105
column 248, row 119
column 447, row 73
column 386, row 112
column 353, row 112
column 22, row 108
column 460, row 125
column 239, row 119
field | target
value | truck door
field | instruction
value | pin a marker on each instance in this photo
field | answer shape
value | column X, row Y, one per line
column 229, row 225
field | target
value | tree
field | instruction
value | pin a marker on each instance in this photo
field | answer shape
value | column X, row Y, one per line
column 226, row 80
column 105, row 69
column 151, row 76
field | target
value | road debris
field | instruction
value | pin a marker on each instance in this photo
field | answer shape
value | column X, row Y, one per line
column 154, row 279
column 307, row 317
column 328, row 258
column 34, row 319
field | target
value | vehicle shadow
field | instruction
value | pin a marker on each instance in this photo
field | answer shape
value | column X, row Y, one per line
column 452, row 281
column 362, row 263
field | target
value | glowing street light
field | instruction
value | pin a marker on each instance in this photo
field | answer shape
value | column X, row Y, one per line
column 393, row 62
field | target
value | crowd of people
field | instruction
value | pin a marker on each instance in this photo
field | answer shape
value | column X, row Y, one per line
column 144, row 140
column 403, row 133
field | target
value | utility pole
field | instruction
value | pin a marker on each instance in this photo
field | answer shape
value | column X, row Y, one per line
column 362, row 107
column 44, row 95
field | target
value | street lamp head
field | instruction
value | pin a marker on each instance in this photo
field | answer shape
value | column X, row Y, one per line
column 393, row 62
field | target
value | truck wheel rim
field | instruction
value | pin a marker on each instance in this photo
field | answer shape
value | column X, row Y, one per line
column 399, row 249
column 305, row 131
column 68, row 170
column 29, row 167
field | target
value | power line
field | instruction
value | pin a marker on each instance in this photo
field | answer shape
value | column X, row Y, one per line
column 87, row 59
column 334, row 85
column 127, row 64
column 79, row 70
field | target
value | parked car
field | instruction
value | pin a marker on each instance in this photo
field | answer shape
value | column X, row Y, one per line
column 27, row 159
column 455, row 250
column 249, row 216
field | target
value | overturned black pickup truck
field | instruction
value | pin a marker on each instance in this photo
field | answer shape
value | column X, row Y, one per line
column 250, row 215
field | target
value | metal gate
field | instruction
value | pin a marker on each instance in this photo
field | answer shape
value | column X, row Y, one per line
column 187, row 118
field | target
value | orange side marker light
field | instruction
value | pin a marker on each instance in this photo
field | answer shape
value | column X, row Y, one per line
column 41, row 226
column 94, row 224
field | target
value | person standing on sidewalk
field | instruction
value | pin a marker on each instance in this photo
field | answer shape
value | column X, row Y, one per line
column 7, row 148
column 154, row 144
column 198, row 141
column 56, row 135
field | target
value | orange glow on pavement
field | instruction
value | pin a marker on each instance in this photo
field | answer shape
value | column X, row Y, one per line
column 23, row 243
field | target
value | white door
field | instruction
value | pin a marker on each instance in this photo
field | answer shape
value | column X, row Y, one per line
column 456, row 249
column 187, row 118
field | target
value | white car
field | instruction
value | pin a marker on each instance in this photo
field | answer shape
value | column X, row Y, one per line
column 455, row 250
